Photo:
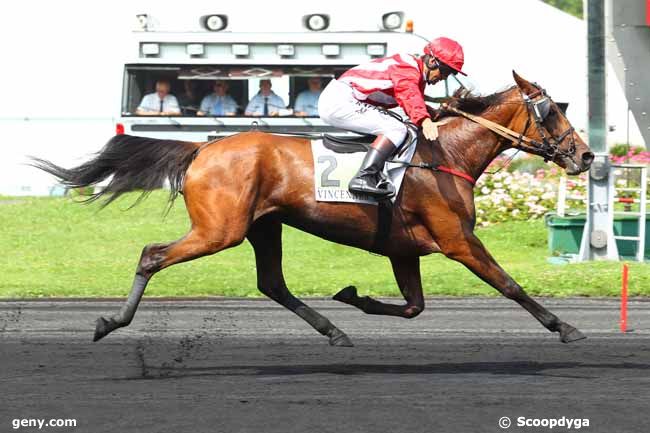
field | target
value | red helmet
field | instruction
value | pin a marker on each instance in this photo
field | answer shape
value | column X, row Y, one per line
column 447, row 51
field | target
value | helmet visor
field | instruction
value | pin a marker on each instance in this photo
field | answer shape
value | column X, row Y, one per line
column 445, row 70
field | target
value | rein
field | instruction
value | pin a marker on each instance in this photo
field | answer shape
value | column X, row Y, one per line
column 520, row 140
column 548, row 148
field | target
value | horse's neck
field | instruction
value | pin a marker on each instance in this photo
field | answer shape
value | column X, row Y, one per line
column 469, row 147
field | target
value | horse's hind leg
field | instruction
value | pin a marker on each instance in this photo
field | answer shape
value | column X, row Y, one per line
column 407, row 274
column 212, row 231
column 154, row 258
column 266, row 237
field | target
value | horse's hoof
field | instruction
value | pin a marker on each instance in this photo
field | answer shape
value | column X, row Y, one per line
column 346, row 295
column 103, row 327
column 569, row 334
column 338, row 338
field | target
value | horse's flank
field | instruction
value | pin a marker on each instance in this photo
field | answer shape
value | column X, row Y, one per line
column 284, row 187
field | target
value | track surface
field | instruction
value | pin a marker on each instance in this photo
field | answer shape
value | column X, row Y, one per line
column 236, row 365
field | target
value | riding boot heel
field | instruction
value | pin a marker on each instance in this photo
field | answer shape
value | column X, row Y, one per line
column 369, row 179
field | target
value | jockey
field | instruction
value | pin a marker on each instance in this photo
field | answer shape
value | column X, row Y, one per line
column 351, row 102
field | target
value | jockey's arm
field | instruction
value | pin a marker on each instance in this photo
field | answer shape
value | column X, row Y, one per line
column 430, row 129
column 410, row 97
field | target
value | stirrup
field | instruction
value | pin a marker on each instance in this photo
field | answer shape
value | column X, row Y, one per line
column 381, row 190
column 387, row 185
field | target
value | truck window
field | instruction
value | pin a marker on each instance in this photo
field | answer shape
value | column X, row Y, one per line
column 191, row 84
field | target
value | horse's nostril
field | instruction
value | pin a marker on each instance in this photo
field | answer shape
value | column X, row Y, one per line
column 587, row 158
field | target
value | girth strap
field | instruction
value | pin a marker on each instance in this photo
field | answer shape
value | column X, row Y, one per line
column 384, row 225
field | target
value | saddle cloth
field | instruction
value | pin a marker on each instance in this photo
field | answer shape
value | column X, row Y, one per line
column 333, row 171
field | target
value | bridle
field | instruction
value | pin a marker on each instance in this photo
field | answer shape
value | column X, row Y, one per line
column 537, row 109
column 549, row 148
column 538, row 106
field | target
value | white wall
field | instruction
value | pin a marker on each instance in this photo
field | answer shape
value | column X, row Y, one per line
column 63, row 61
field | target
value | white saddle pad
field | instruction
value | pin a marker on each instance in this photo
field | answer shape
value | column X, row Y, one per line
column 333, row 172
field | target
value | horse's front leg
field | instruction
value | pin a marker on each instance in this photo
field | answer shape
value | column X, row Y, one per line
column 469, row 251
column 265, row 236
column 407, row 274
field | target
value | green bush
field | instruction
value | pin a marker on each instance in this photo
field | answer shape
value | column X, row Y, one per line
column 622, row 149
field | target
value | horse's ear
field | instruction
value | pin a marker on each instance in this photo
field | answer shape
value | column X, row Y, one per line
column 523, row 84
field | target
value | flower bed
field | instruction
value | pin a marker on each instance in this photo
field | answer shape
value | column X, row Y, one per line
column 521, row 195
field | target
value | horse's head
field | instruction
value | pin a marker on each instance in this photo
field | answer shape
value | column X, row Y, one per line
column 554, row 137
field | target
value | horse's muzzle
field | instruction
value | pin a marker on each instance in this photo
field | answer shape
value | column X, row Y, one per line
column 587, row 159
column 578, row 164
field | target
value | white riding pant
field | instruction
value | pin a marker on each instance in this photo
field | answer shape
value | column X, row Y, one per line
column 338, row 107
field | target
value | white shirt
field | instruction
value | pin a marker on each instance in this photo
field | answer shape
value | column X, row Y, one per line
column 307, row 102
column 151, row 102
column 218, row 105
column 273, row 102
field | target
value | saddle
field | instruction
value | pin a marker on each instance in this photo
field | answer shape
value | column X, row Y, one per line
column 361, row 143
column 336, row 144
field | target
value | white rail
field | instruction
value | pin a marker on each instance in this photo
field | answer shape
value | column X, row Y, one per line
column 563, row 197
column 640, row 215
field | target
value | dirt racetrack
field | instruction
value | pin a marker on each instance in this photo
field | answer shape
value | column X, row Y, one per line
column 232, row 365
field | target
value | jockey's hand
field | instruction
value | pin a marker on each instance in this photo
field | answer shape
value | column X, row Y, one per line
column 430, row 129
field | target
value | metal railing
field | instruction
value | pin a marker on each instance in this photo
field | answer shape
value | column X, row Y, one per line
column 638, row 203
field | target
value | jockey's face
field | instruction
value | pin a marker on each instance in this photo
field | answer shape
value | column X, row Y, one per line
column 437, row 71
column 433, row 75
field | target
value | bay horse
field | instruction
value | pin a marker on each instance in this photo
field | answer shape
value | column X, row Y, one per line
column 247, row 185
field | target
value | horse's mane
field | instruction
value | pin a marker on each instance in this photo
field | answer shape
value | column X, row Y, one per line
column 472, row 103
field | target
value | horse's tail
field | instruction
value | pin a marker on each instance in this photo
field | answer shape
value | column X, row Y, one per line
column 135, row 163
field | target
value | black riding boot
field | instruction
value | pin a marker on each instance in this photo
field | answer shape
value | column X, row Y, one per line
column 370, row 179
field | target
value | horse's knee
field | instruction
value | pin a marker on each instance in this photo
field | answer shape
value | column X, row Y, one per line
column 279, row 294
column 512, row 291
column 413, row 311
column 271, row 293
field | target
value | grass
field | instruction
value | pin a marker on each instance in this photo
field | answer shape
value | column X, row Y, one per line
column 55, row 247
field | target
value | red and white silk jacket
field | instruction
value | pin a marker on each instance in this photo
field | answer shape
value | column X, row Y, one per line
column 389, row 82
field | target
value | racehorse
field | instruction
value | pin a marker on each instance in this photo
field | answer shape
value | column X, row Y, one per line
column 247, row 185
